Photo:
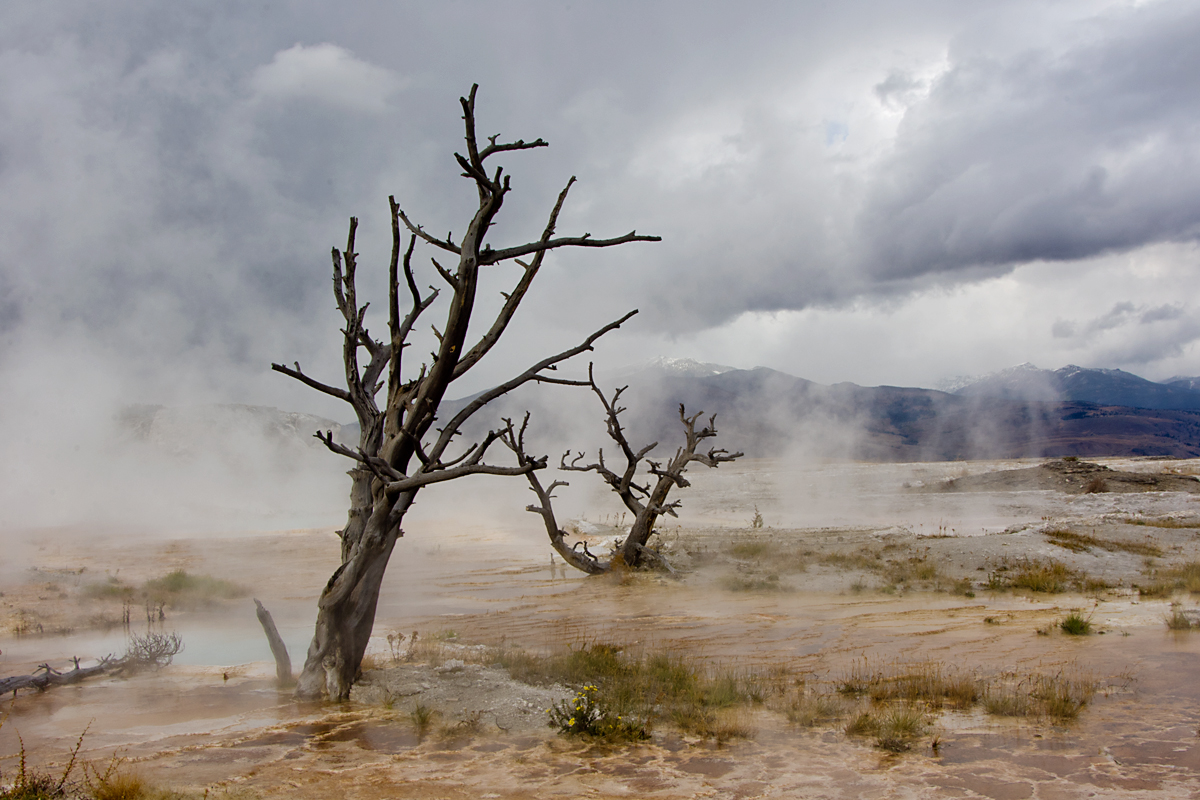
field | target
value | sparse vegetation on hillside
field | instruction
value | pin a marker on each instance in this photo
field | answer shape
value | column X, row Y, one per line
column 177, row 589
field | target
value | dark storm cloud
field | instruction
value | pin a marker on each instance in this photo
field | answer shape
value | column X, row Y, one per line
column 1058, row 151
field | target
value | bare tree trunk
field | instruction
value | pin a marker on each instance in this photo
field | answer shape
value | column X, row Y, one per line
column 644, row 522
column 346, row 616
column 283, row 662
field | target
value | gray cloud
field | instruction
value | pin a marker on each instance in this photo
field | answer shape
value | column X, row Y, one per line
column 172, row 176
column 1057, row 152
column 1133, row 335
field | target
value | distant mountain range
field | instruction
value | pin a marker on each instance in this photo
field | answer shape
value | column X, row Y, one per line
column 1072, row 383
column 1019, row 412
column 769, row 413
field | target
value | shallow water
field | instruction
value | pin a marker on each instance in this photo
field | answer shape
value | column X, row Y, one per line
column 214, row 718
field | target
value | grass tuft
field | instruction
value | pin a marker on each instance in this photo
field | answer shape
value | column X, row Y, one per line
column 422, row 717
column 1076, row 624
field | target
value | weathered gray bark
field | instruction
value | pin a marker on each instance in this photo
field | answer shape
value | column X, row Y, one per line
column 399, row 451
column 646, row 502
column 283, row 662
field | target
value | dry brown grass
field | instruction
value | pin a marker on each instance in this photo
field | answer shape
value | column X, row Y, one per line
column 928, row 682
column 1051, row 577
column 1060, row 695
column 122, row 785
column 1166, row 522
column 894, row 727
column 765, row 552
column 1168, row 580
column 1082, row 543
column 1177, row 620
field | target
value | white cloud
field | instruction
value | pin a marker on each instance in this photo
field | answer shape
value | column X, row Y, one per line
column 328, row 74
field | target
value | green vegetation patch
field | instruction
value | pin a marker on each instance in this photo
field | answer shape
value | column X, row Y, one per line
column 1075, row 624
column 182, row 589
column 621, row 694
column 179, row 589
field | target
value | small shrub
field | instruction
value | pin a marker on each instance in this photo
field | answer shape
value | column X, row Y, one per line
column 1063, row 697
column 112, row 589
column 1177, row 620
column 863, row 724
column 30, row 784
column 1059, row 695
column 926, row 682
column 587, row 715
column 963, row 588
column 1075, row 624
column 1166, row 522
column 894, row 728
column 1096, row 485
column 153, row 649
column 898, row 727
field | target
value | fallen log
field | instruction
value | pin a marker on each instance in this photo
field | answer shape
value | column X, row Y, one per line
column 151, row 650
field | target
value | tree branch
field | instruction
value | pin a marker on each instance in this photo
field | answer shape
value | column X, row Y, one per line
column 332, row 391
column 420, row 479
column 483, row 399
column 514, row 298
column 496, row 256
column 383, row 470
column 519, row 144
column 419, row 232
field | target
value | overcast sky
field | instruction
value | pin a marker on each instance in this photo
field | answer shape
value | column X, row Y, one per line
column 857, row 191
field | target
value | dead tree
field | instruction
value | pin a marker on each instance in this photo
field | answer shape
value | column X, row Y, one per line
column 400, row 451
column 143, row 652
column 647, row 501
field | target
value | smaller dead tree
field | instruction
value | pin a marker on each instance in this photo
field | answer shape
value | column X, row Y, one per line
column 644, row 496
